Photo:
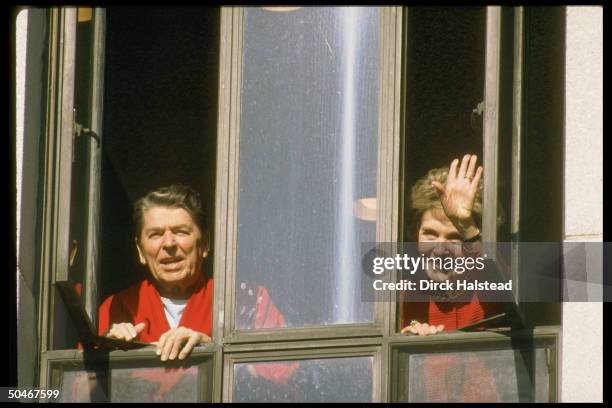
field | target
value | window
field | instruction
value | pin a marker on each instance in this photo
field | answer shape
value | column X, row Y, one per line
column 322, row 120
column 342, row 378
column 486, row 368
column 109, row 150
column 307, row 156
column 100, row 378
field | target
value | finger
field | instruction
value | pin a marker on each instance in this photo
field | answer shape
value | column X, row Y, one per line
column 424, row 329
column 474, row 185
column 120, row 331
column 452, row 171
column 410, row 329
column 464, row 165
column 179, row 340
column 140, row 327
column 161, row 343
column 111, row 332
column 472, row 166
column 440, row 327
column 167, row 349
column 439, row 187
column 193, row 340
column 129, row 327
column 125, row 333
column 433, row 329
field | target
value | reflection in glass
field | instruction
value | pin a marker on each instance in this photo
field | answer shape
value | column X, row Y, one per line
column 145, row 384
column 308, row 153
column 346, row 379
column 482, row 376
column 82, row 386
column 157, row 384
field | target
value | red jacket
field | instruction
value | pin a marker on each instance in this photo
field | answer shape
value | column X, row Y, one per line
column 142, row 303
column 453, row 315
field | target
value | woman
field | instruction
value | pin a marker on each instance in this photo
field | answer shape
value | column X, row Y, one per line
column 447, row 218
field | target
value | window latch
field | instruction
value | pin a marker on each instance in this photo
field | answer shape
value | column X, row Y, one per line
column 80, row 130
column 476, row 117
column 549, row 362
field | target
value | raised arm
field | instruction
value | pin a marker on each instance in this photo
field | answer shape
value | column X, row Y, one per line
column 457, row 195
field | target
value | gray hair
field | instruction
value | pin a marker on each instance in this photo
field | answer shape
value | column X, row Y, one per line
column 174, row 196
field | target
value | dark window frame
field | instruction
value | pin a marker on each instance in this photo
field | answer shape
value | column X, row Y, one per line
column 230, row 346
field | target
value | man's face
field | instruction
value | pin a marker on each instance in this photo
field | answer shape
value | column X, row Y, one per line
column 438, row 238
column 172, row 247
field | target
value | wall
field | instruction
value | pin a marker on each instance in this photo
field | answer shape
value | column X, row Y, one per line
column 582, row 323
column 31, row 37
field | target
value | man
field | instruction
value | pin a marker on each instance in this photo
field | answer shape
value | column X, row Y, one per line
column 172, row 308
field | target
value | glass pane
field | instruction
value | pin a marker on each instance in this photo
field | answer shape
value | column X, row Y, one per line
column 81, row 386
column 134, row 384
column 477, row 376
column 322, row 380
column 308, row 157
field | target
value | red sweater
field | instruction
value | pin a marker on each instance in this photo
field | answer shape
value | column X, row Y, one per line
column 142, row 303
column 453, row 315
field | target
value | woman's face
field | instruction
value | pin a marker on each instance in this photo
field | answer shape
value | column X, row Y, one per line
column 438, row 238
column 171, row 245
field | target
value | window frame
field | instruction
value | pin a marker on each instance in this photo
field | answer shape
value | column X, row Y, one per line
column 496, row 339
column 230, row 346
column 96, row 117
column 57, row 158
column 209, row 354
column 227, row 200
column 324, row 349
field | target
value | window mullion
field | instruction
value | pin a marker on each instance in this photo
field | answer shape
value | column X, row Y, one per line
column 58, row 164
column 389, row 172
column 65, row 139
column 517, row 106
column 95, row 165
column 491, row 123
